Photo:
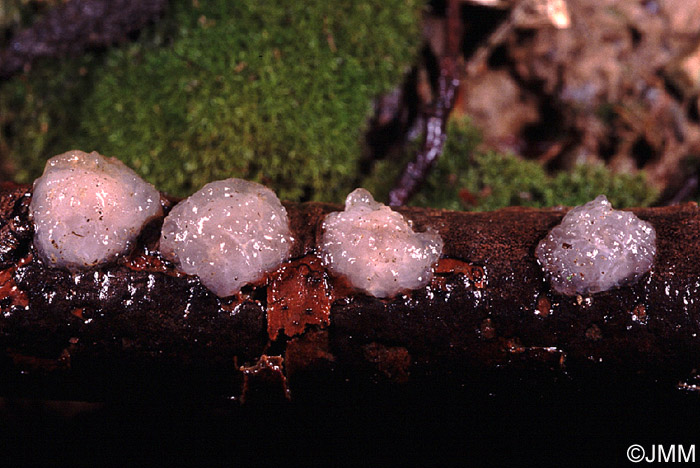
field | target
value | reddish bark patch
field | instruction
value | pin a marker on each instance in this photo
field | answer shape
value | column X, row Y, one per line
column 308, row 351
column 513, row 345
column 299, row 295
column 265, row 381
column 639, row 314
column 448, row 266
column 10, row 294
column 392, row 362
column 544, row 307
column 151, row 264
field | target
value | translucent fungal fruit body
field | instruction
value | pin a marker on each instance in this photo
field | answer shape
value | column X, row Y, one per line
column 88, row 209
column 229, row 233
column 376, row 248
column 596, row 248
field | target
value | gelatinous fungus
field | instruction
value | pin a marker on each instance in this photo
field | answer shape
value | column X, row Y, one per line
column 596, row 248
column 88, row 209
column 229, row 233
column 376, row 248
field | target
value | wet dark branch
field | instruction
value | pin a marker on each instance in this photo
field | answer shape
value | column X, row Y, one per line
column 488, row 319
column 76, row 26
column 435, row 116
column 435, row 134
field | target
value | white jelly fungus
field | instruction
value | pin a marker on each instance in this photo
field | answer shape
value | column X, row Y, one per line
column 229, row 233
column 596, row 248
column 88, row 209
column 376, row 248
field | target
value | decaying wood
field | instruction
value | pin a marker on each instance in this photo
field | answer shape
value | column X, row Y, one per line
column 488, row 317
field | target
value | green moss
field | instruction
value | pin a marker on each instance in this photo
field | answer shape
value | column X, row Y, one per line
column 277, row 92
column 38, row 116
column 466, row 178
column 588, row 181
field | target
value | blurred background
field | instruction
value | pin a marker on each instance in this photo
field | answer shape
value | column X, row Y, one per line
column 558, row 100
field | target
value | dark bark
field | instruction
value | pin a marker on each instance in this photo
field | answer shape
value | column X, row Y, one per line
column 489, row 316
column 76, row 26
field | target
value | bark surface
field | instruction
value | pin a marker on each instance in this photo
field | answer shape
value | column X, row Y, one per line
column 489, row 320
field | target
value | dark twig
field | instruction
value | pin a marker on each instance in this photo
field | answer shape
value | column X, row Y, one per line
column 436, row 116
column 76, row 26
column 435, row 135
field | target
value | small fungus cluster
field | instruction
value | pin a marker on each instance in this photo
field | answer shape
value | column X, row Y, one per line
column 229, row 233
column 88, row 210
column 376, row 248
column 597, row 248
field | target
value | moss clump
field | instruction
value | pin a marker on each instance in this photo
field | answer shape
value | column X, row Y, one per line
column 465, row 178
column 277, row 92
column 38, row 114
